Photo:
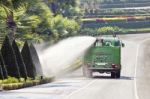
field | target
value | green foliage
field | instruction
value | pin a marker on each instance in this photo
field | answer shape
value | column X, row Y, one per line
column 10, row 80
column 118, row 12
column 32, row 37
column 42, row 11
column 89, row 31
column 110, row 30
column 21, row 64
column 3, row 70
column 13, row 83
column 127, row 25
column 36, row 18
column 117, row 1
column 63, row 27
column 67, row 8
column 35, row 60
column 10, row 59
column 30, row 66
column 103, row 31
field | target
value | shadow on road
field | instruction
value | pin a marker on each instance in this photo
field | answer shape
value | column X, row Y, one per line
column 108, row 77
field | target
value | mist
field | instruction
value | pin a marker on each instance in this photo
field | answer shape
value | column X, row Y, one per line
column 55, row 59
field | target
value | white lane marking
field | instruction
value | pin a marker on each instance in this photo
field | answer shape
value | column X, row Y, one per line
column 80, row 89
column 136, row 63
column 135, row 86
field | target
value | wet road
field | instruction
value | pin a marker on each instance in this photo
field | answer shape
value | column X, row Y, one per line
column 132, row 85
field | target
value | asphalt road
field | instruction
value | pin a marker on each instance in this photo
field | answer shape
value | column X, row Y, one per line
column 133, row 84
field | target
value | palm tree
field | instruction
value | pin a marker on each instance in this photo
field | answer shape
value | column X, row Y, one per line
column 10, row 6
column 61, row 6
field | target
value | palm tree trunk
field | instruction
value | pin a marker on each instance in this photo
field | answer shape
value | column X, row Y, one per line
column 11, row 25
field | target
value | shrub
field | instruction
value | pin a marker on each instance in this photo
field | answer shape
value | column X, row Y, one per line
column 36, row 60
column 26, row 54
column 21, row 64
column 10, row 59
column 102, row 31
column 10, row 80
column 3, row 71
column 110, row 30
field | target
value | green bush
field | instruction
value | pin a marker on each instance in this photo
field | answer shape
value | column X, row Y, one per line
column 63, row 27
column 10, row 58
column 12, row 83
column 30, row 66
column 127, row 25
column 20, row 61
column 10, row 80
column 118, row 12
column 110, row 30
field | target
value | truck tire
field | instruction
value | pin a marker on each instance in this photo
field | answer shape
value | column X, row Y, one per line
column 118, row 74
column 87, row 72
column 113, row 74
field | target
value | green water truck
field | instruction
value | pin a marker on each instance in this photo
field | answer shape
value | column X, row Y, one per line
column 104, row 56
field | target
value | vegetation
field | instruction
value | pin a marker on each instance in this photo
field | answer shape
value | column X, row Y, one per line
column 35, row 60
column 39, row 20
column 118, row 19
column 108, row 30
column 20, row 61
column 3, row 69
column 117, row 12
column 30, row 66
column 116, row 1
column 12, row 83
column 16, row 64
column 10, row 59
column 130, row 24
column 103, row 31
column 52, row 20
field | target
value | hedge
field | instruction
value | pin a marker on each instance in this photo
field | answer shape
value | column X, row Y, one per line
column 18, row 85
column 26, row 54
column 10, row 58
column 4, row 73
column 20, row 61
column 117, row 12
column 130, row 25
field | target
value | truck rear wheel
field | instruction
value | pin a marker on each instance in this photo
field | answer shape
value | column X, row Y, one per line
column 118, row 74
column 87, row 72
column 113, row 75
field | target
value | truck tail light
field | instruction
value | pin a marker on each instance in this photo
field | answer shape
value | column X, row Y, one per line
column 114, row 66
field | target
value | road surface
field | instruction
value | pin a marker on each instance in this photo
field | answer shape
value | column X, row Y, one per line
column 133, row 84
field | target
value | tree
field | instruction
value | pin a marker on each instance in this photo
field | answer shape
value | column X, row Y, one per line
column 67, row 8
column 20, row 61
column 2, row 69
column 10, row 6
column 36, row 60
column 10, row 59
column 3, row 66
column 26, row 54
